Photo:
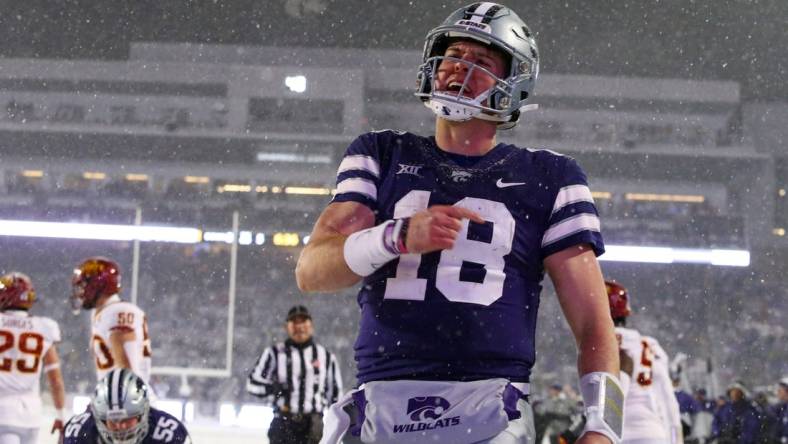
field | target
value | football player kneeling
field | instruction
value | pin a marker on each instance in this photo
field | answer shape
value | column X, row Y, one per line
column 120, row 413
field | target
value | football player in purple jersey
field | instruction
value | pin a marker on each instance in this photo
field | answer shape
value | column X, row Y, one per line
column 120, row 413
column 451, row 235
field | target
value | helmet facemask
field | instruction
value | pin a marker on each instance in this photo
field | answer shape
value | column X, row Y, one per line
column 458, row 105
column 132, row 435
column 80, row 299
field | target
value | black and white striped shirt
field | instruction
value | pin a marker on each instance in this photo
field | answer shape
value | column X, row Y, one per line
column 296, row 378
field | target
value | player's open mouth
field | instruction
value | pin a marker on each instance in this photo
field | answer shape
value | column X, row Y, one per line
column 456, row 87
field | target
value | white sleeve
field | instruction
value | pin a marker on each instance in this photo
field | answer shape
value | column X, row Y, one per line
column 663, row 390
column 49, row 328
column 53, row 330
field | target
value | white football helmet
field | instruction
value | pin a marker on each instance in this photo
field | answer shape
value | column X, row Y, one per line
column 121, row 395
column 496, row 26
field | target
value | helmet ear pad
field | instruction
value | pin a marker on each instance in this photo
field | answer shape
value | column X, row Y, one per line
column 424, row 79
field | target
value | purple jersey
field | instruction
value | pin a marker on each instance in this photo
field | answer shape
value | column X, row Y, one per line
column 470, row 312
column 163, row 428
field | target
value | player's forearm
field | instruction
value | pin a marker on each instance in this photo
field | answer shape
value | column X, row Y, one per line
column 597, row 350
column 322, row 267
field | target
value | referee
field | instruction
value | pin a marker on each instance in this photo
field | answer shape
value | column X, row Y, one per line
column 300, row 378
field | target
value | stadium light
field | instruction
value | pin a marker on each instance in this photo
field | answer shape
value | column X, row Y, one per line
column 286, row 239
column 245, row 238
column 64, row 230
column 196, row 179
column 33, row 173
column 653, row 197
column 668, row 255
column 134, row 177
column 601, row 194
column 234, row 188
column 314, row 191
column 293, row 157
column 296, row 84
column 733, row 258
column 259, row 238
column 94, row 175
column 218, row 236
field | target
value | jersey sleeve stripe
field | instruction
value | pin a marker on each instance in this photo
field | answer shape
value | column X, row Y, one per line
column 571, row 194
column 358, row 185
column 570, row 226
column 359, row 162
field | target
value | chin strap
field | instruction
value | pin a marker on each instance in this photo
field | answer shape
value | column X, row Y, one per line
column 450, row 108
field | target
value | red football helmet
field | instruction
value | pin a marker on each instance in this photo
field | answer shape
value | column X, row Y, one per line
column 94, row 278
column 16, row 291
column 618, row 297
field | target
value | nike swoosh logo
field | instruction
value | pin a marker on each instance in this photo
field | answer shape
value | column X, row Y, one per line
column 502, row 184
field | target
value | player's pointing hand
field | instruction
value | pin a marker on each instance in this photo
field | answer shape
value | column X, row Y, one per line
column 436, row 228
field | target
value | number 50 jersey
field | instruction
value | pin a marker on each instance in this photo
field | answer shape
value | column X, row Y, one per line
column 469, row 312
column 118, row 315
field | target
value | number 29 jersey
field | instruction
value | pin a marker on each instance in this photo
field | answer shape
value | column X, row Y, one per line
column 469, row 312
column 118, row 315
column 24, row 340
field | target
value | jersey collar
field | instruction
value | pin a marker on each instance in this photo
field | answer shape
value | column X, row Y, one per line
column 110, row 300
column 18, row 313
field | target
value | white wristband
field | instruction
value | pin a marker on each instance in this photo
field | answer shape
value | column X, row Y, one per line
column 60, row 414
column 365, row 251
column 604, row 405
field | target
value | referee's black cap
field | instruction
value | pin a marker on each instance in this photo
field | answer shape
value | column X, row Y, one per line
column 298, row 311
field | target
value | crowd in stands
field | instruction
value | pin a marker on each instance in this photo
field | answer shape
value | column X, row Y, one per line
column 176, row 202
column 702, row 224
column 736, row 416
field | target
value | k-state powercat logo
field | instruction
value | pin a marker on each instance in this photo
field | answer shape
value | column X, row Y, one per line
column 422, row 408
column 426, row 412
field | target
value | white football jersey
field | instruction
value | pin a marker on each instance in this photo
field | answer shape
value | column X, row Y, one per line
column 117, row 315
column 667, row 404
column 24, row 340
column 645, row 407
